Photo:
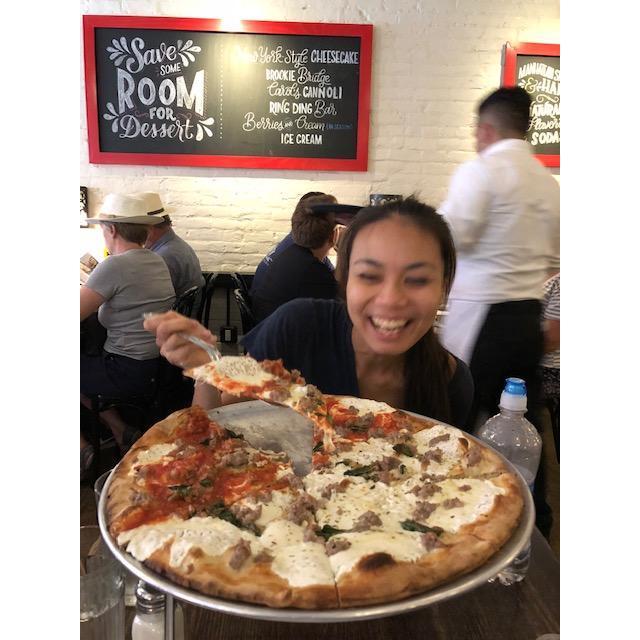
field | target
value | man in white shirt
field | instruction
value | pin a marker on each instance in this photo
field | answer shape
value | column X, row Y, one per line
column 504, row 210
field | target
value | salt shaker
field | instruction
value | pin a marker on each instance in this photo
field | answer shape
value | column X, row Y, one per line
column 148, row 623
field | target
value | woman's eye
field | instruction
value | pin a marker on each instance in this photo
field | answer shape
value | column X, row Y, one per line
column 417, row 282
column 368, row 277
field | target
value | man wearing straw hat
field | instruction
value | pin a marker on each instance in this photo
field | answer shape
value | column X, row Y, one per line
column 130, row 282
column 181, row 259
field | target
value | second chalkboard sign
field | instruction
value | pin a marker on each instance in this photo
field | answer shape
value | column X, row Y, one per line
column 536, row 68
column 178, row 91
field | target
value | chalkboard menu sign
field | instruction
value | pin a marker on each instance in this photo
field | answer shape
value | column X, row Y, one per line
column 536, row 68
column 186, row 91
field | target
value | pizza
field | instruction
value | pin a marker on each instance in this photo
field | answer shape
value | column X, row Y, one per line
column 396, row 505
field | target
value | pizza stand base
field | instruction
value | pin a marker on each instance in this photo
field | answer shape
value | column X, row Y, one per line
column 268, row 426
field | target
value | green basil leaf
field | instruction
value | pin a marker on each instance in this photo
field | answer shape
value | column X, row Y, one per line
column 206, row 482
column 404, row 449
column 412, row 525
column 318, row 447
column 181, row 490
column 219, row 510
column 327, row 531
column 214, row 509
column 365, row 472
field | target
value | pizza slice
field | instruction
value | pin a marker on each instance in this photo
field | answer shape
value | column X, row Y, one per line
column 386, row 541
column 189, row 466
column 281, row 567
column 266, row 380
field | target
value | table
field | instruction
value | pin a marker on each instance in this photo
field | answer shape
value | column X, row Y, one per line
column 523, row 611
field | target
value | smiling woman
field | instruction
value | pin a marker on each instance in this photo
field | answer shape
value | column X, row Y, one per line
column 396, row 264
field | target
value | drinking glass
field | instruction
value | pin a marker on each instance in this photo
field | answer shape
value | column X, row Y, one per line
column 101, row 589
column 130, row 581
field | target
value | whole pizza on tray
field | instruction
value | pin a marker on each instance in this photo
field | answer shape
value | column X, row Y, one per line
column 393, row 506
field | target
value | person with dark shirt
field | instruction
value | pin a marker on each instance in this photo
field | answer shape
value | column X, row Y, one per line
column 298, row 271
column 286, row 242
column 396, row 263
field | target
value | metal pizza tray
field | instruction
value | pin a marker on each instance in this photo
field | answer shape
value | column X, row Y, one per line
column 281, row 429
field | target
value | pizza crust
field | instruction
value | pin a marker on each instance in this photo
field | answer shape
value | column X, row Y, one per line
column 122, row 487
column 253, row 582
column 497, row 525
column 380, row 578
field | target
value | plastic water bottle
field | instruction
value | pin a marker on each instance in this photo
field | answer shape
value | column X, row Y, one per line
column 510, row 433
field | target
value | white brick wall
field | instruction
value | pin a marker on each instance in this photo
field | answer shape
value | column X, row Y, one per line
column 432, row 62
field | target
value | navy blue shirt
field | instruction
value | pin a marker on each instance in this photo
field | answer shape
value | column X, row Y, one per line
column 314, row 336
column 294, row 273
column 265, row 263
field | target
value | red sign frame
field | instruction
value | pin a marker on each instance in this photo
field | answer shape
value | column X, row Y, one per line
column 511, row 52
column 96, row 156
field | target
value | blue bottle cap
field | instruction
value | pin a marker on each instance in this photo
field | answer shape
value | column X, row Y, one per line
column 515, row 386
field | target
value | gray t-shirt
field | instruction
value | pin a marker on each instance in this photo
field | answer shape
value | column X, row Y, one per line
column 132, row 283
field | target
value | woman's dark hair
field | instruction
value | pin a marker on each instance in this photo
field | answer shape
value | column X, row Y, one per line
column 426, row 370
column 310, row 229
column 136, row 233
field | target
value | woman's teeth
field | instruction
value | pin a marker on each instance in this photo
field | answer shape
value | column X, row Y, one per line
column 388, row 325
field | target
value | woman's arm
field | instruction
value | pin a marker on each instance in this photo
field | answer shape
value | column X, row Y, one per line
column 167, row 328
column 184, row 354
column 206, row 396
column 551, row 335
column 90, row 301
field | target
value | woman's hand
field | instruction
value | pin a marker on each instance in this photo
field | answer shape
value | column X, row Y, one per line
column 177, row 350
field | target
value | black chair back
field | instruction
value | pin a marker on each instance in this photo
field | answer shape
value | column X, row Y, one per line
column 211, row 281
column 184, row 304
column 240, row 283
column 246, row 314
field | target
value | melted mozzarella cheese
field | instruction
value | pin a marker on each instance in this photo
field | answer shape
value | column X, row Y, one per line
column 271, row 510
column 451, row 449
column 300, row 563
column 366, row 452
column 281, row 533
column 476, row 502
column 212, row 535
column 298, row 392
column 345, row 507
column 153, row 454
column 303, row 564
column 242, row 369
column 403, row 546
column 365, row 406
